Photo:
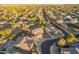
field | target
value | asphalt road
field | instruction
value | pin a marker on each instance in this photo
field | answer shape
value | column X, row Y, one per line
column 44, row 47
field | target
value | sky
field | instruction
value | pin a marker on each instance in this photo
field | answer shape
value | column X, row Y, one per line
column 39, row 1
